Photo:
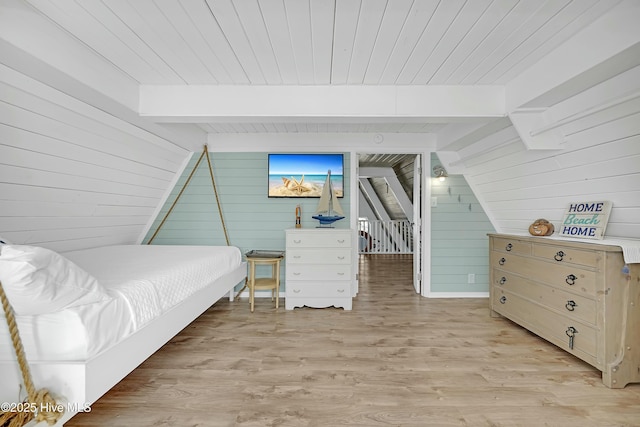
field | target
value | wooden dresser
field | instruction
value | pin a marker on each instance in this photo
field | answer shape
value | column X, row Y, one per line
column 574, row 295
column 319, row 268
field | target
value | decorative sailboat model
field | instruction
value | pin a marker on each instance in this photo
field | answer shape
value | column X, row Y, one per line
column 328, row 205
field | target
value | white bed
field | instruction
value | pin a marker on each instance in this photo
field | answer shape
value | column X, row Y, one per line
column 144, row 295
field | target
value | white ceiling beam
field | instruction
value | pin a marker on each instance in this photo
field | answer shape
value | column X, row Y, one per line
column 364, row 209
column 607, row 47
column 353, row 142
column 200, row 103
column 394, row 184
column 184, row 138
column 455, row 138
column 526, row 120
column 35, row 46
column 401, row 196
column 375, row 172
column 26, row 32
column 376, row 205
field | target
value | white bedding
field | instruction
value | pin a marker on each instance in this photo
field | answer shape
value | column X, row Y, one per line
column 143, row 281
column 154, row 278
column 69, row 335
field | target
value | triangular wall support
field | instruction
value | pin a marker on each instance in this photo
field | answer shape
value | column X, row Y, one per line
column 205, row 152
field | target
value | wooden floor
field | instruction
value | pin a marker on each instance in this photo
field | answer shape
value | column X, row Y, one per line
column 396, row 360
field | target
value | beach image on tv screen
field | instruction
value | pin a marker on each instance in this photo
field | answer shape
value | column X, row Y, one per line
column 304, row 175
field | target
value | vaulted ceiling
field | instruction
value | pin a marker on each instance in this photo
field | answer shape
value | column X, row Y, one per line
column 460, row 69
column 322, row 42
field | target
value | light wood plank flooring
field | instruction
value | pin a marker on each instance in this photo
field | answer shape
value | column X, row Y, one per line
column 396, row 360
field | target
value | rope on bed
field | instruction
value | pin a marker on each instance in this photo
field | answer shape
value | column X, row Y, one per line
column 43, row 404
column 205, row 151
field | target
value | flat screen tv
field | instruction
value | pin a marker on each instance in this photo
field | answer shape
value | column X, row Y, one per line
column 304, row 175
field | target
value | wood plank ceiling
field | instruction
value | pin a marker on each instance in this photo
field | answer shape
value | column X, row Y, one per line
column 322, row 42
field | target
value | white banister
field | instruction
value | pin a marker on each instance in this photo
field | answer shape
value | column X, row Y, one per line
column 385, row 237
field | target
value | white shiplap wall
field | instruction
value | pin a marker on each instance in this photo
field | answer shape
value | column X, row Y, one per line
column 71, row 175
column 598, row 160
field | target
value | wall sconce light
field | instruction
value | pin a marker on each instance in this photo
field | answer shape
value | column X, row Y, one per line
column 440, row 173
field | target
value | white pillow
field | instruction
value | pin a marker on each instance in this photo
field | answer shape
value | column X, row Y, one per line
column 38, row 281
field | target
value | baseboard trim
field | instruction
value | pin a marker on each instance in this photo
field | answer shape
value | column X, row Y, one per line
column 457, row 295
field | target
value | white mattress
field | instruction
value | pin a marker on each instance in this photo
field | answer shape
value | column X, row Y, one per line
column 71, row 334
column 144, row 281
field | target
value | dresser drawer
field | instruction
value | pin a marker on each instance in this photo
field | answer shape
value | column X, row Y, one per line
column 548, row 324
column 511, row 245
column 566, row 277
column 319, row 256
column 315, row 272
column 319, row 240
column 571, row 305
column 564, row 255
column 314, row 289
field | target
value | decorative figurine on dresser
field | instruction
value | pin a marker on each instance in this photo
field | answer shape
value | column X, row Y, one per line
column 583, row 297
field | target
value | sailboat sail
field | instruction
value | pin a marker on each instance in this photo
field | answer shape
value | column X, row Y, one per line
column 329, row 199
column 325, row 197
column 336, row 206
column 328, row 204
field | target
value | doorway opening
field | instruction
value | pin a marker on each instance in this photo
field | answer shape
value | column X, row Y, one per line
column 389, row 207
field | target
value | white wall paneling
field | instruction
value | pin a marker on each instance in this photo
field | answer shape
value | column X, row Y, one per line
column 598, row 160
column 73, row 176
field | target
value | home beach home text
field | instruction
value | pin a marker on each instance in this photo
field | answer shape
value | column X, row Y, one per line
column 586, row 220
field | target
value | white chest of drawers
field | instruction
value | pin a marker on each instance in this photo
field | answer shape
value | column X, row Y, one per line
column 575, row 295
column 319, row 268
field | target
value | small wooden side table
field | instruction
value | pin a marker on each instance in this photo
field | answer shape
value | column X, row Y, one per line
column 264, row 283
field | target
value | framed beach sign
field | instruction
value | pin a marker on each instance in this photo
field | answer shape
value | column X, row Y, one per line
column 586, row 220
column 304, row 175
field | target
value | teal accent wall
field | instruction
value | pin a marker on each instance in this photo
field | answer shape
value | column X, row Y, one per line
column 253, row 220
column 459, row 242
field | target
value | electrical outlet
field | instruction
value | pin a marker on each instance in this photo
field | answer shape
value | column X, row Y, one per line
column 434, row 202
column 471, row 278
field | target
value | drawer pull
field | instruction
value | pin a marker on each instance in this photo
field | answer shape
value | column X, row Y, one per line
column 509, row 247
column 503, row 300
column 340, row 257
column 295, row 273
column 502, row 261
column 297, row 256
column 571, row 305
column 340, row 291
column 571, row 332
column 340, row 274
column 559, row 255
column 296, row 291
column 340, row 241
column 503, row 280
column 571, row 279
column 297, row 241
